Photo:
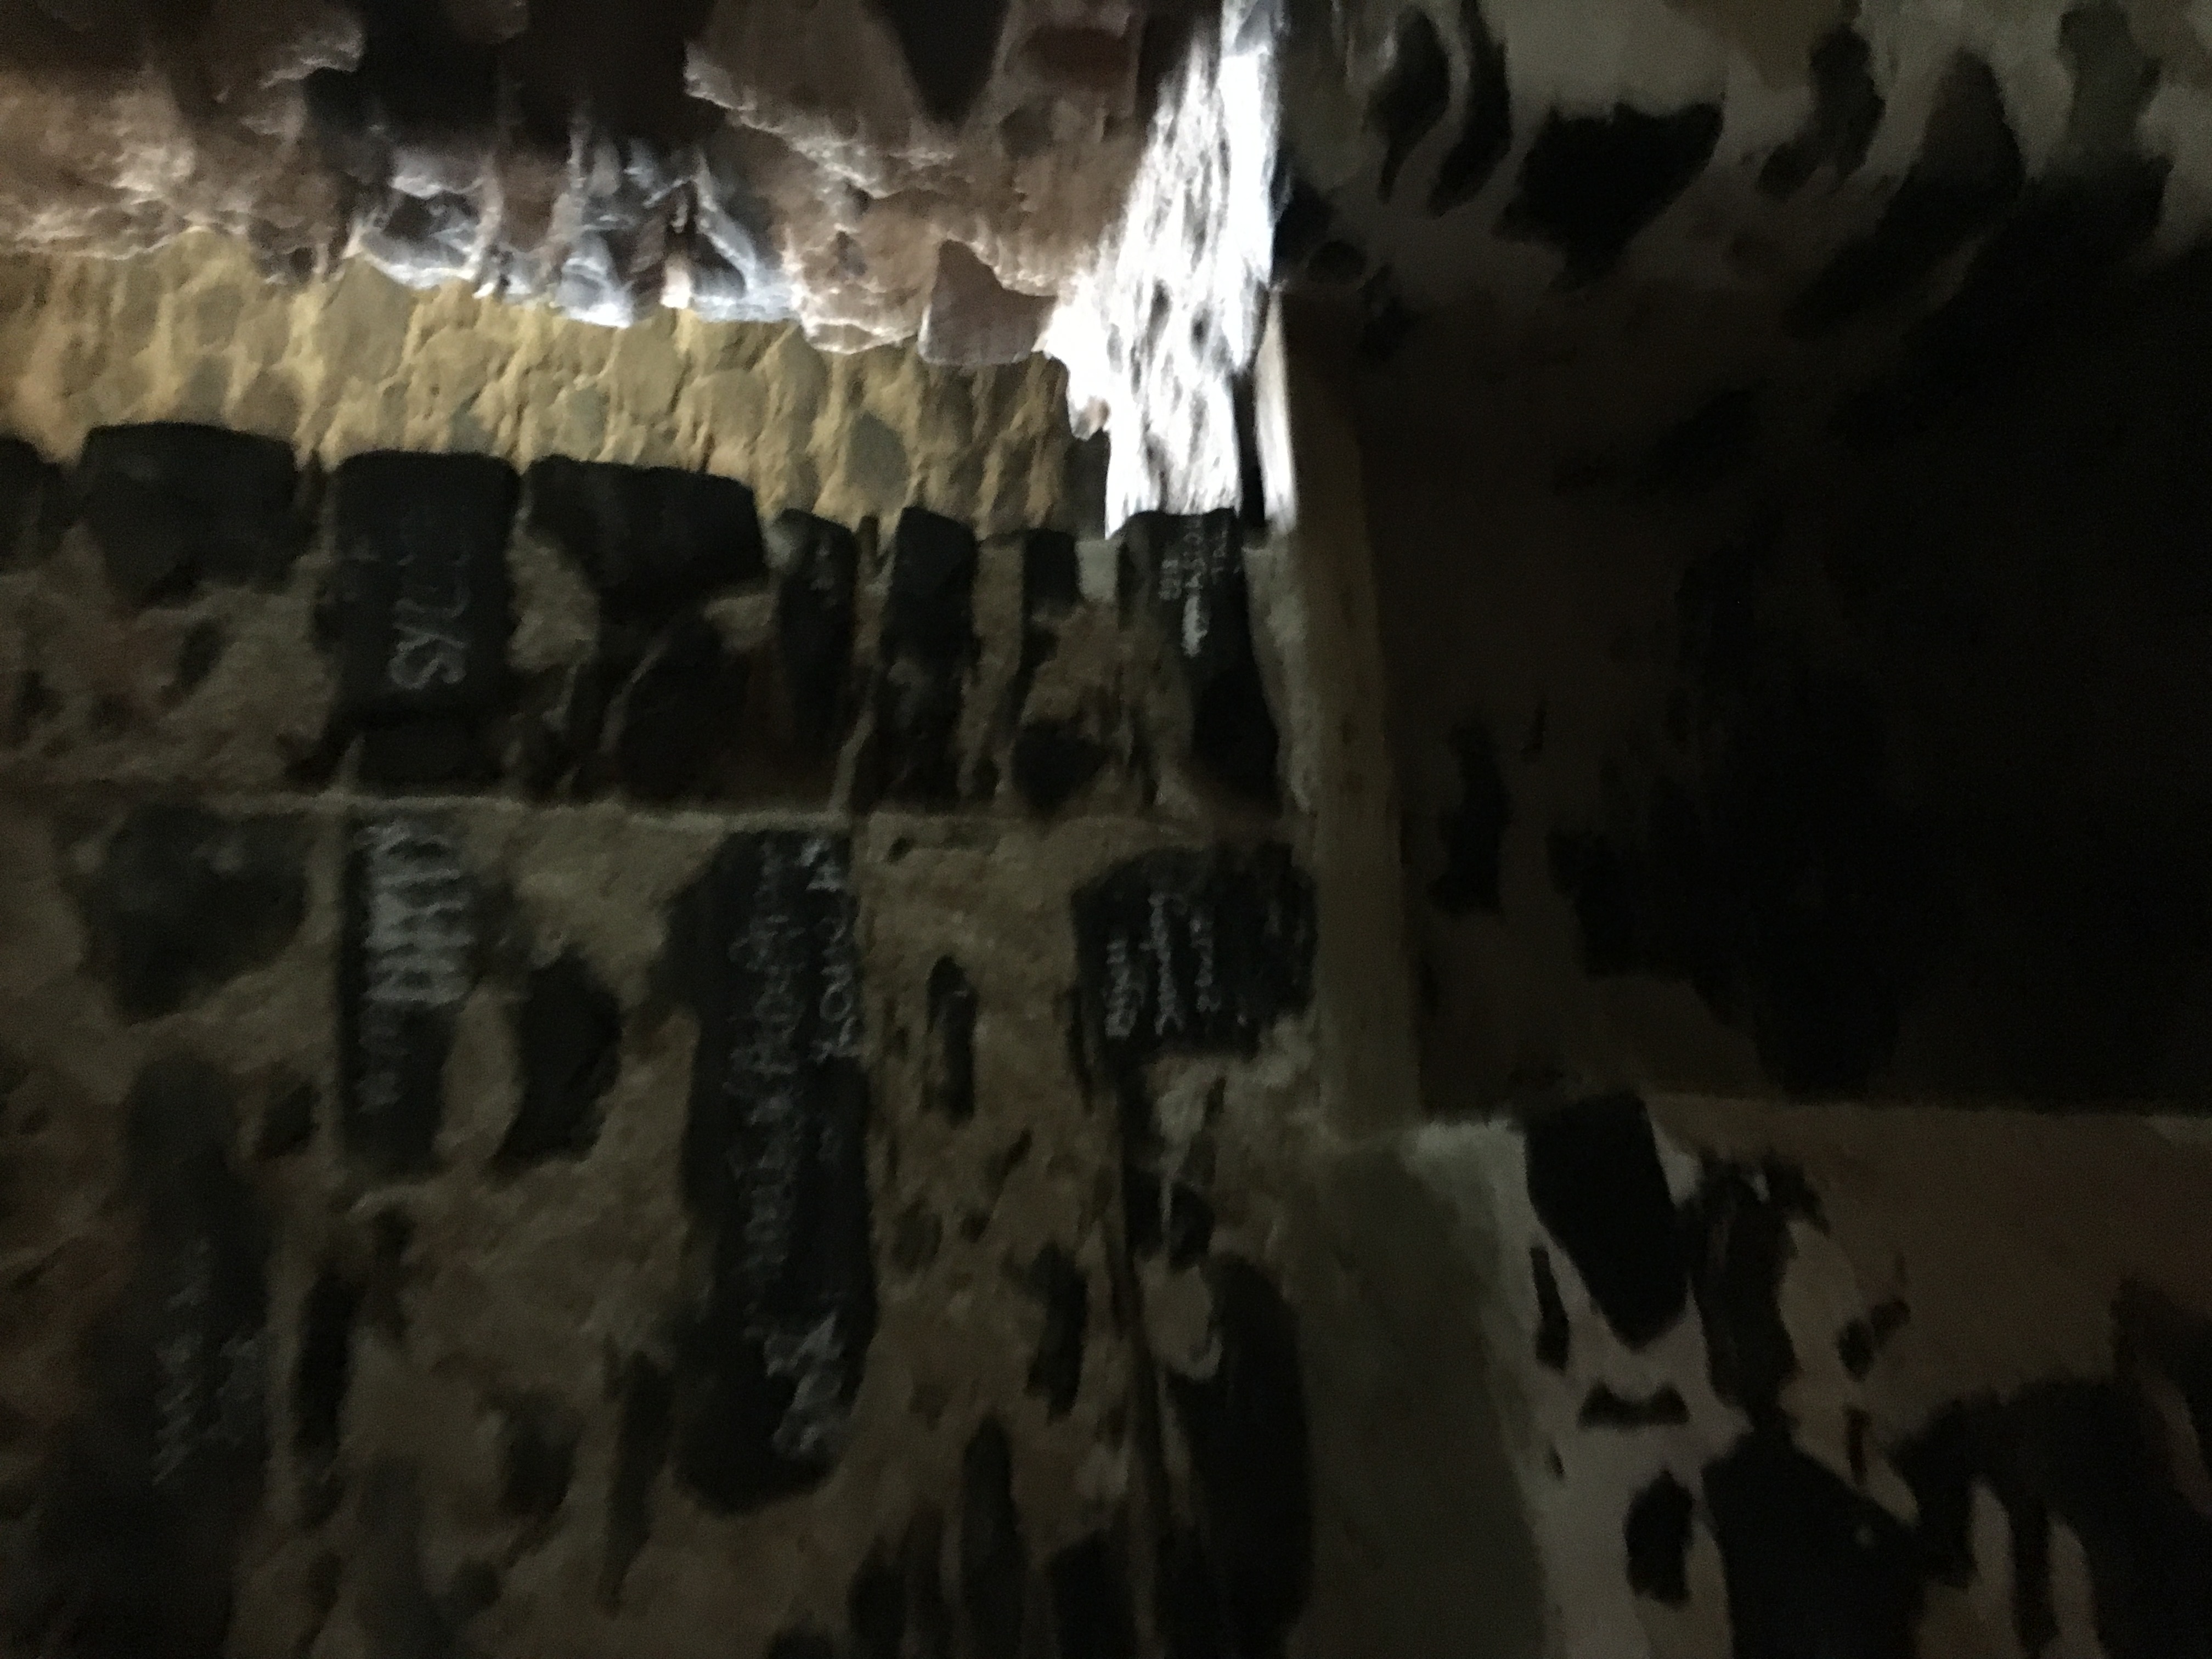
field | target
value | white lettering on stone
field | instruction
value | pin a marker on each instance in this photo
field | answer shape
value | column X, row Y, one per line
column 1160, row 946
column 1189, row 567
column 418, row 935
column 768, row 949
column 778, row 950
column 1194, row 622
column 429, row 639
column 822, row 856
column 840, row 1036
column 1125, row 990
column 768, row 1184
column 1206, row 984
column 810, row 1358
column 176, row 1366
column 794, row 965
column 420, row 927
column 838, row 1014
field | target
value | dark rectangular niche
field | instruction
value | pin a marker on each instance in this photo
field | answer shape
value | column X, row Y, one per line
column 927, row 650
column 31, row 499
column 173, row 506
column 407, row 960
column 423, row 611
column 147, row 1497
column 652, row 541
column 762, row 947
column 815, row 619
column 661, row 710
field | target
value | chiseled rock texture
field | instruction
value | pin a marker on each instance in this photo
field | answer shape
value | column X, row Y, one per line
column 686, row 1022
column 873, row 169
column 1861, row 1379
column 1777, row 432
column 334, row 367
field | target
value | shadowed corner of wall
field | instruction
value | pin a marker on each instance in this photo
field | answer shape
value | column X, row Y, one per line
column 1423, row 1547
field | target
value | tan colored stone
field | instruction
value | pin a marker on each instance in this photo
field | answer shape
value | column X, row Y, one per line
column 972, row 319
column 367, row 365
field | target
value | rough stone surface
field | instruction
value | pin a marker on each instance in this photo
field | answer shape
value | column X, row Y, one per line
column 595, row 630
column 578, row 1441
column 1768, row 778
column 193, row 333
column 1796, row 699
column 1447, row 150
column 873, row 169
column 1994, row 1479
column 1708, row 782
column 649, row 1194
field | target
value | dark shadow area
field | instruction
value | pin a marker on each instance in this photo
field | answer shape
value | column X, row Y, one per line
column 1911, row 781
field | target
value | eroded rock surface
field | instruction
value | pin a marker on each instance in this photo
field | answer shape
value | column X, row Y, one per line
column 980, row 173
column 599, row 1113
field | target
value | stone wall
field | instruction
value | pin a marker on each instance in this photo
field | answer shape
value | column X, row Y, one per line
column 1801, row 721
column 333, row 368
column 973, row 174
column 1785, row 797
column 651, row 1000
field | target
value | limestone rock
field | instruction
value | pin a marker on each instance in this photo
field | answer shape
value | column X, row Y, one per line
column 780, row 159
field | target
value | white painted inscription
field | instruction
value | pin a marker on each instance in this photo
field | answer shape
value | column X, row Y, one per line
column 795, row 968
column 418, row 936
column 1125, row 990
column 1190, row 566
column 176, row 1366
column 419, row 923
column 1168, row 1016
column 838, row 1026
column 1206, row 982
column 795, row 1025
column 810, row 1358
column 1141, row 970
column 183, row 1420
column 429, row 636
